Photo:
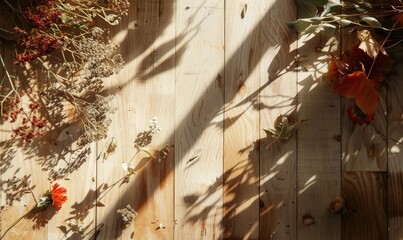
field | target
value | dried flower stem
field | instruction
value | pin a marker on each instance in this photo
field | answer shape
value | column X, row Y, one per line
column 383, row 43
column 17, row 221
column 384, row 136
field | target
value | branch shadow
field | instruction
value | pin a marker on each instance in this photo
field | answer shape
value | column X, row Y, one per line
column 159, row 60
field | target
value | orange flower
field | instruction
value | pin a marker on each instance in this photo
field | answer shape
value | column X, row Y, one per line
column 58, row 195
column 358, row 117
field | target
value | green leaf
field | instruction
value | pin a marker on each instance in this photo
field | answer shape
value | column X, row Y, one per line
column 371, row 21
column 328, row 29
column 313, row 29
column 309, row 8
column 362, row 6
column 344, row 22
column 331, row 8
column 300, row 25
column 44, row 202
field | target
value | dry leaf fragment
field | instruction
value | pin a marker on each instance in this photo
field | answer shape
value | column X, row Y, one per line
column 368, row 44
column 357, row 86
column 110, row 148
column 284, row 128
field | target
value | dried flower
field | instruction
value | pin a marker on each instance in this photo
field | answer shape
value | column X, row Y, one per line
column 153, row 127
column 56, row 197
column 81, row 56
column 95, row 118
column 357, row 116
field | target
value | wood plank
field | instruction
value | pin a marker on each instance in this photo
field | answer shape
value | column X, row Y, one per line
column 365, row 194
column 363, row 149
column 395, row 154
column 2, row 138
column 14, row 167
column 55, row 158
column 318, row 144
column 199, row 128
column 241, row 125
column 143, row 89
column 278, row 168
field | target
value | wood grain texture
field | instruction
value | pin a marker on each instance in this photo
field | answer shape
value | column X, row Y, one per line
column 14, row 166
column 241, row 126
column 56, row 158
column 198, row 119
column 144, row 89
column 215, row 73
column 318, row 145
column 395, row 154
column 366, row 196
column 363, row 149
column 277, row 162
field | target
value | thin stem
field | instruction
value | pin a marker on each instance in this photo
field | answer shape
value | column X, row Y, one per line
column 17, row 221
column 8, row 75
column 383, row 43
column 384, row 136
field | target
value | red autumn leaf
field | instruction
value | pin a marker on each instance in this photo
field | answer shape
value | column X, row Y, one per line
column 357, row 86
column 356, row 58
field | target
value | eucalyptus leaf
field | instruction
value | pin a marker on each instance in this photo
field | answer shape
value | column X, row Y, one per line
column 328, row 29
column 344, row 22
column 309, row 8
column 313, row 29
column 331, row 8
column 371, row 21
column 362, row 7
column 300, row 25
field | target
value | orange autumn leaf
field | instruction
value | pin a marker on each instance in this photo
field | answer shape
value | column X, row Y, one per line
column 333, row 74
column 357, row 86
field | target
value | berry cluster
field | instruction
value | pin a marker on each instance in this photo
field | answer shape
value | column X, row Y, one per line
column 31, row 125
column 43, row 15
column 39, row 41
column 35, row 44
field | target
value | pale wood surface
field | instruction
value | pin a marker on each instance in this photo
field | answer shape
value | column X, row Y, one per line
column 142, row 91
column 241, row 124
column 198, row 113
column 216, row 73
column 319, row 150
column 278, row 162
column 55, row 158
column 362, row 148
